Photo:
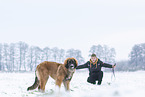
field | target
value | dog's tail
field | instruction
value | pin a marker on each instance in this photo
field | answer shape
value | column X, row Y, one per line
column 35, row 85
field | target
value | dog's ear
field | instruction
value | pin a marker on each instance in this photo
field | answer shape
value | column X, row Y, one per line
column 66, row 63
column 76, row 62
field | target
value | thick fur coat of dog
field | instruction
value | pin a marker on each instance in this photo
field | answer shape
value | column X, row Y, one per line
column 61, row 73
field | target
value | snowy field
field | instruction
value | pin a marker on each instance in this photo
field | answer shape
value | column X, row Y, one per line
column 126, row 84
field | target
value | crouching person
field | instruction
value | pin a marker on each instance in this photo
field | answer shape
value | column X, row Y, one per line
column 94, row 66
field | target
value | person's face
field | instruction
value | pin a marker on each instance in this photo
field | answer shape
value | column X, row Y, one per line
column 93, row 59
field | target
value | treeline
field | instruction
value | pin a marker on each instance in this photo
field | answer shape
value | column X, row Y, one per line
column 136, row 59
column 22, row 57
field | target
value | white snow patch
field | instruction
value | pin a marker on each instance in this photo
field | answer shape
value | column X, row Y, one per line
column 126, row 84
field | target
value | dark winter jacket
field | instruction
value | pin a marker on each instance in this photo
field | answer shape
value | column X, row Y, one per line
column 94, row 67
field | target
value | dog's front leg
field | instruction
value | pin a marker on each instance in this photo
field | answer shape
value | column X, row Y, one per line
column 59, row 82
column 66, row 85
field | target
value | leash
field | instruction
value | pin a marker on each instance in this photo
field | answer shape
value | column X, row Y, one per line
column 113, row 75
column 113, row 71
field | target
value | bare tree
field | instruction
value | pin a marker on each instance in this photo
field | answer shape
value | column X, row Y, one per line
column 104, row 53
column 137, row 57
column 61, row 55
column 93, row 50
column 12, row 56
column 55, row 52
column 76, row 54
column 31, row 56
column 6, row 57
column 23, row 47
column 70, row 53
column 47, row 53
column 37, row 54
column 0, row 57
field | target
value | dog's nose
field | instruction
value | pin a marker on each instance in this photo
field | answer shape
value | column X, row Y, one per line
column 72, row 65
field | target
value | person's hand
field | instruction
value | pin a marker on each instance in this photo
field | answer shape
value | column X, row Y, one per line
column 113, row 66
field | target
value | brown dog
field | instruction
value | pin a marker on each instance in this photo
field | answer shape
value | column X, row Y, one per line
column 59, row 72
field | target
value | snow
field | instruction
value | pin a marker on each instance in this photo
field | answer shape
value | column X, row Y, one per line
column 126, row 84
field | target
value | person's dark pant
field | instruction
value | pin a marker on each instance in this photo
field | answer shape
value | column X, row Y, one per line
column 95, row 76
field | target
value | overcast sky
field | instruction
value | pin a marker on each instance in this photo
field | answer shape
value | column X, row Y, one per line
column 77, row 24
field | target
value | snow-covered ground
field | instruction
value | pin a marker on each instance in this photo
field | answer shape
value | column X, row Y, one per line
column 126, row 84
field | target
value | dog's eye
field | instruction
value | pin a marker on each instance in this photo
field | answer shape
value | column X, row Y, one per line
column 69, row 61
column 74, row 61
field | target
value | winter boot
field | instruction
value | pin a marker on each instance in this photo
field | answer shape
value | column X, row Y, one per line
column 99, row 82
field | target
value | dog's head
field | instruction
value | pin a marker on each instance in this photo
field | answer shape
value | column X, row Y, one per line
column 71, row 64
